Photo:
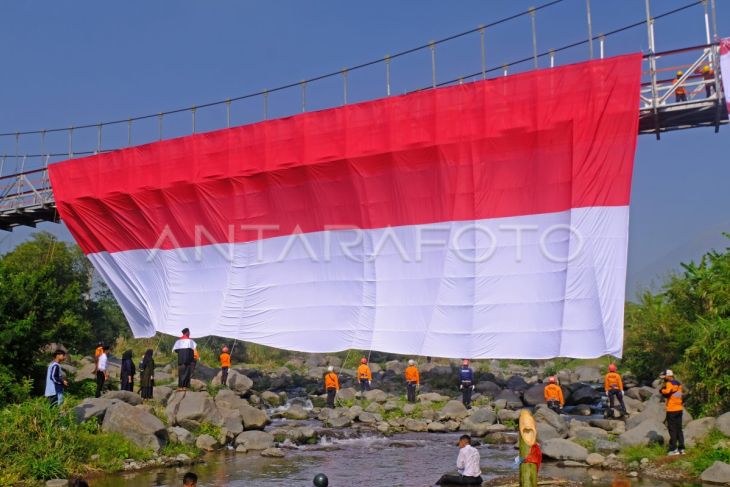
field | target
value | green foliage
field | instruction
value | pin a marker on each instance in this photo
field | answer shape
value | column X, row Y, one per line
column 686, row 327
column 636, row 453
column 209, row 429
column 36, row 442
column 175, row 449
column 716, row 447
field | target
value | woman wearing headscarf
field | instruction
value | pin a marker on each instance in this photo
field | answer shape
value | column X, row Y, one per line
column 128, row 371
column 147, row 375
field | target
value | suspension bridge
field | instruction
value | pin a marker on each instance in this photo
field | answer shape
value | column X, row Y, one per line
column 26, row 196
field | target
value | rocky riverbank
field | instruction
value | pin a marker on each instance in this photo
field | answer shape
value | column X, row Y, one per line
column 270, row 411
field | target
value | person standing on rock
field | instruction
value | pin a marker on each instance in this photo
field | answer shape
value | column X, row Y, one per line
column 672, row 392
column 101, row 371
column 614, row 387
column 225, row 365
column 467, row 463
column 466, row 383
column 553, row 394
column 54, row 379
column 185, row 349
column 413, row 380
column 364, row 375
column 127, row 373
column 99, row 350
column 331, row 385
column 147, row 375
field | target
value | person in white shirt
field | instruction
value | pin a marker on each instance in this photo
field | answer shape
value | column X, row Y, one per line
column 467, row 463
column 101, row 373
column 185, row 349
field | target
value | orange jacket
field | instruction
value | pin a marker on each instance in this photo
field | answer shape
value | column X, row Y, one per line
column 672, row 392
column 226, row 360
column 412, row 374
column 99, row 351
column 553, row 392
column 613, row 381
column 681, row 90
column 363, row 372
column 196, row 355
column 331, row 381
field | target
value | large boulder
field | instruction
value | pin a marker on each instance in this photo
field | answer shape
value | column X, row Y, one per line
column 142, row 428
column 338, row 422
column 606, row 446
column 585, row 395
column 483, row 415
column 646, row 433
column 717, row 473
column 376, row 395
column 255, row 440
column 534, row 395
column 544, row 414
column 207, row 443
column 346, row 394
column 191, row 409
column 227, row 399
column 415, row 425
column 232, row 424
column 237, row 382
column 723, row 424
column 129, row 397
column 511, row 398
column 454, row 410
column 590, row 433
column 560, row 449
column 271, row 398
column 488, row 388
column 93, row 408
column 653, row 410
column 296, row 412
column 432, row 397
column 546, row 432
column 697, row 430
column 162, row 393
column 253, row 418
column 176, row 434
column 517, row 383
column 588, row 374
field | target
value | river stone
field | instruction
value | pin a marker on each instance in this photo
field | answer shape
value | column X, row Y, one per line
column 534, row 395
column 415, row 425
column 338, row 422
column 301, row 434
column 717, row 473
column 206, row 442
column 253, row 418
column 273, row 453
column 546, row 432
column 162, row 394
column 653, row 411
column 177, row 434
column 432, row 397
column 585, row 395
column 483, row 415
column 591, row 433
column 368, row 418
column 517, row 383
column 390, row 406
column 697, row 430
column 296, row 412
column 92, row 408
column 560, row 449
column 723, row 423
column 454, row 410
column 409, row 408
column 86, row 372
column 255, row 440
column 232, row 423
column 142, row 428
column 488, row 388
column 508, row 415
column 375, row 408
column 511, row 398
column 607, row 424
column 376, row 395
column 436, row 427
column 354, row 412
column 126, row 396
column 227, row 399
column 57, row 483
column 271, row 398
column 500, row 438
column 544, row 414
column 606, row 446
column 571, row 463
column 588, row 374
column 648, row 432
column 582, row 410
column 190, row 409
column 198, row 385
column 238, row 382
column 346, row 394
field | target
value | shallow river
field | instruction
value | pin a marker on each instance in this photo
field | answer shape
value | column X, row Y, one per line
column 409, row 460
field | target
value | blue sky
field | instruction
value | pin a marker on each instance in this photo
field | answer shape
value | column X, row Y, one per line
column 71, row 63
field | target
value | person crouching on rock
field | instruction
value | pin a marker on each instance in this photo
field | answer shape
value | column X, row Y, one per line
column 467, row 463
column 553, row 394
column 185, row 349
column 225, row 365
column 364, row 375
column 331, row 385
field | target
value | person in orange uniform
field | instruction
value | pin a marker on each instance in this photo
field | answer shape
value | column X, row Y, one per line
column 709, row 75
column 554, row 395
column 680, row 94
column 672, row 392
column 225, row 365
column 99, row 350
column 364, row 375
column 413, row 380
column 331, row 385
column 614, row 387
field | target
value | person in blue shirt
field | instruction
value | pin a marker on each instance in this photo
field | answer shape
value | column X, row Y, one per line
column 466, row 383
column 55, row 381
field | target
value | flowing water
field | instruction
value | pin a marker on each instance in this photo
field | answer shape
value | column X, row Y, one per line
column 409, row 460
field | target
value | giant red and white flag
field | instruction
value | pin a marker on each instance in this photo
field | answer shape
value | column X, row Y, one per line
column 725, row 68
column 488, row 219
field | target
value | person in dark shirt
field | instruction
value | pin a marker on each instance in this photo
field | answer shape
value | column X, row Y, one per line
column 185, row 349
column 127, row 373
column 466, row 383
column 147, row 375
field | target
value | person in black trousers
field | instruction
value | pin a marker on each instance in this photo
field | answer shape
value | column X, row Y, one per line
column 127, row 373
column 185, row 349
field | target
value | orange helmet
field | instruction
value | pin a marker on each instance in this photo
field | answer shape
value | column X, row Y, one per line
column 612, row 368
column 552, row 379
column 363, row 360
